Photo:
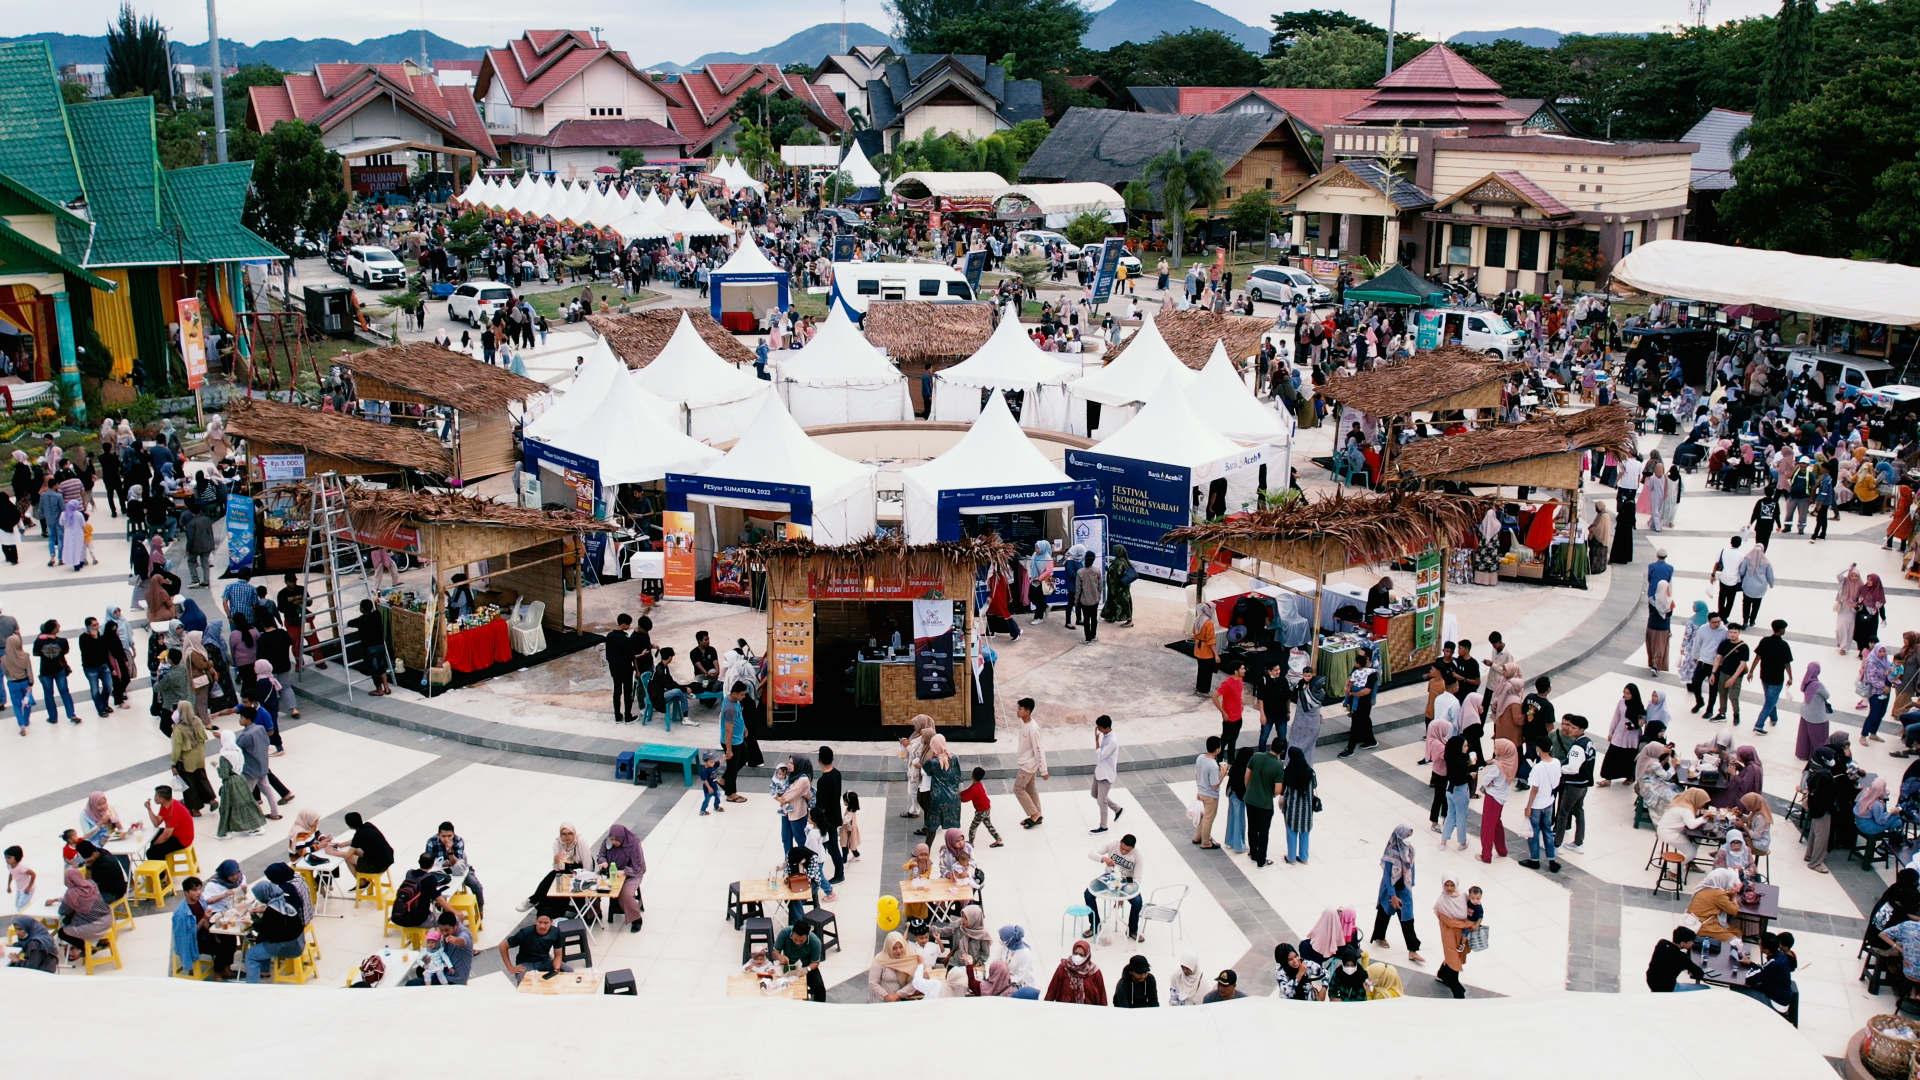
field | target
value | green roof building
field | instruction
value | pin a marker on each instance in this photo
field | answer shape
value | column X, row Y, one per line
column 91, row 227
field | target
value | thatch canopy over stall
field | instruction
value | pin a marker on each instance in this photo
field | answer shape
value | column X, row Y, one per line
column 1450, row 377
column 887, row 558
column 1323, row 536
column 923, row 337
column 1191, row 334
column 480, row 394
column 1542, row 452
column 332, row 442
column 638, row 336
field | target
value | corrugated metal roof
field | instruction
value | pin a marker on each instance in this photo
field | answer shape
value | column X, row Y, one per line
column 1713, row 162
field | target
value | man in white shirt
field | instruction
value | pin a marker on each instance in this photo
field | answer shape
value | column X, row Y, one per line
column 1726, row 574
column 1543, row 783
column 1031, row 758
column 1106, row 769
column 1125, row 857
column 1206, row 782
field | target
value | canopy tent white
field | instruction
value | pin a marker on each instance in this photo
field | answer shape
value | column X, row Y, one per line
column 651, row 205
column 1057, row 204
column 697, row 220
column 736, row 176
column 569, row 205
column 539, row 201
column 859, row 169
column 1121, row 387
column 639, row 226
column 471, row 194
column 553, row 361
column 607, row 207
column 994, row 453
column 1225, row 403
column 518, row 196
column 1167, row 431
column 718, row 400
column 747, row 282
column 1009, row 361
column 839, row 378
column 969, row 186
column 629, row 432
column 494, row 194
column 775, row 451
column 1841, row 288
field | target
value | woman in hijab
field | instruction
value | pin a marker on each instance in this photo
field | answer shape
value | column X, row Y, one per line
column 1845, row 605
column 1870, row 814
column 26, row 481
column 1450, row 907
column 1507, row 697
column 956, row 856
column 890, row 976
column 1039, row 578
column 9, row 529
column 1659, row 626
column 1120, row 575
column 1297, row 785
column 84, row 915
column 943, row 770
column 1383, row 981
column 1438, row 732
column 1653, row 778
column 238, row 812
column 1735, row 855
column 997, row 983
column 73, row 537
column 1309, row 693
column 1078, row 980
column 1236, row 840
column 1186, row 987
column 192, row 619
column 1713, row 903
column 37, row 949
column 1670, row 505
column 1018, row 956
column 190, row 760
column 1756, row 822
column 622, row 852
column 295, row 886
column 1686, row 811
column 119, row 633
column 161, row 610
column 1691, row 644
column 1815, row 711
column 1496, row 787
column 98, row 819
column 971, row 938
column 1900, row 900
column 1395, row 899
column 1876, row 680
column 216, row 437
column 1748, row 775
column 1204, row 633
column 225, row 886
column 570, row 852
column 279, row 934
column 1327, row 936
column 1623, row 738
column 199, row 666
column 304, row 836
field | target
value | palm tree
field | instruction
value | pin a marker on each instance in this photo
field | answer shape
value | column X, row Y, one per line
column 1185, row 180
column 139, row 58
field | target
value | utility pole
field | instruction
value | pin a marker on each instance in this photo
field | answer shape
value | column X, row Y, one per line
column 219, row 95
column 1393, row 9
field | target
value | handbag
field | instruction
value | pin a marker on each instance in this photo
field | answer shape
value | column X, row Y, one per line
column 1477, row 939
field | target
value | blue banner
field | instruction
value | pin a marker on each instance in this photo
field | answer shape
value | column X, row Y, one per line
column 1143, row 501
column 1110, row 252
column 990, row 502
column 798, row 499
column 846, row 247
column 976, row 265
column 239, row 533
column 538, row 452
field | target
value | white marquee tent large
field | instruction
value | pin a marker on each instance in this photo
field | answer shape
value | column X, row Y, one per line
column 1168, row 431
column 695, row 220
column 631, row 433
column 775, row 451
column 994, row 453
column 1057, row 204
column 839, row 378
column 735, row 175
column 717, row 400
column 1123, row 386
column 1009, row 361
column 1225, row 403
column 1842, row 288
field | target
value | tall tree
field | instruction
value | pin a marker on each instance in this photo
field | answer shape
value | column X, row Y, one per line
column 1788, row 78
column 297, row 184
column 1040, row 35
column 1290, row 26
column 1194, row 57
column 139, row 58
column 1184, row 180
column 1340, row 58
column 915, row 20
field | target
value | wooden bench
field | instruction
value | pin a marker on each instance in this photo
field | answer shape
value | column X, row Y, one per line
column 685, row 756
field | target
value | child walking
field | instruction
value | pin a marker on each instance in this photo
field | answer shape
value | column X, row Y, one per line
column 709, row 785
column 20, row 877
column 976, row 794
column 850, row 828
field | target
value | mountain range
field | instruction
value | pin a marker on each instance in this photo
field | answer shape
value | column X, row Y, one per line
column 1140, row 21
column 1526, row 35
column 287, row 54
column 805, row 47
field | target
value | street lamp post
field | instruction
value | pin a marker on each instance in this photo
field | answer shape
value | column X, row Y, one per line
column 219, row 96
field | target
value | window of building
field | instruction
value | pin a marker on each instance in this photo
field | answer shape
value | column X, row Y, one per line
column 1599, row 187
column 1529, row 249
column 605, row 110
column 1459, row 244
column 1599, row 168
column 1626, row 241
column 1496, row 248
column 1583, row 187
column 1269, row 183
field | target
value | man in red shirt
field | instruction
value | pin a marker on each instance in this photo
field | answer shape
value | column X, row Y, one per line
column 173, row 824
column 1230, row 698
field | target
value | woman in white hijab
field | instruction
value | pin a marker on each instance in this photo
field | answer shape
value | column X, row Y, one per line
column 1185, row 986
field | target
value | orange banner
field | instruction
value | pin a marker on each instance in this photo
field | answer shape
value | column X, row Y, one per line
column 193, row 342
column 677, row 526
column 793, row 652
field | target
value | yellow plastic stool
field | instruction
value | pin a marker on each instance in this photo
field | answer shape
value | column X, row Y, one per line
column 412, row 937
column 152, row 882
column 467, row 907
column 107, row 948
column 201, row 968
column 183, row 864
column 311, row 951
column 376, row 889
column 292, row 969
column 122, row 913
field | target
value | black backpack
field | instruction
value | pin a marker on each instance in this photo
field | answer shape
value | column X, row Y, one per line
column 412, row 900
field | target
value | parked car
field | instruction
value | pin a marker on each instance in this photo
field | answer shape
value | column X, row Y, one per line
column 475, row 302
column 370, row 265
column 1046, row 238
column 1283, row 283
column 1481, row 330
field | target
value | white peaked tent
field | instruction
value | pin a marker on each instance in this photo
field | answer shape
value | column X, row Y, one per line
column 651, row 206
column 1168, row 431
column 608, row 418
column 608, row 208
column 697, row 220
column 1010, row 362
column 1227, row 404
column 520, row 194
column 747, row 282
column 1122, row 386
column 859, row 169
column 539, row 202
column 472, row 193
column 841, row 379
column 567, row 205
column 994, row 453
column 775, row 451
column 717, row 400
column 736, row 176
column 634, row 227
column 553, row 361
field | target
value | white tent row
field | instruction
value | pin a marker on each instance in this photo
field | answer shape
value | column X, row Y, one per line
column 717, row 400
column 1121, row 387
column 1009, row 362
column 994, row 453
column 1841, row 288
column 629, row 432
column 693, row 220
column 839, row 378
column 1224, row 402
column 735, row 176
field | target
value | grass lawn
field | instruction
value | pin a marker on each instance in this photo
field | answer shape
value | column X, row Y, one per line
column 552, row 302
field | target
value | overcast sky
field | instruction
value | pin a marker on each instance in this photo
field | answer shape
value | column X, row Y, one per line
column 679, row 32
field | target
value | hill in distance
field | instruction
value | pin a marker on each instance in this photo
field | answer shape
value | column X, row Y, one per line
column 1140, row 21
column 1525, row 35
column 287, row 54
column 806, row 47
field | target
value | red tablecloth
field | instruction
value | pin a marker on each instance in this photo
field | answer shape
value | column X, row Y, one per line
column 740, row 322
column 480, row 647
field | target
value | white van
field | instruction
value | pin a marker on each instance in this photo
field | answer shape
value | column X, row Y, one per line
column 857, row 284
column 1480, row 330
column 1283, row 283
column 1840, row 369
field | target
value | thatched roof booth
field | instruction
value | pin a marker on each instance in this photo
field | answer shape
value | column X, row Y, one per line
column 1191, row 334
column 638, row 336
column 924, row 337
column 1542, row 452
column 480, row 395
column 1450, row 377
column 332, row 442
column 1319, row 537
column 825, row 603
column 532, row 554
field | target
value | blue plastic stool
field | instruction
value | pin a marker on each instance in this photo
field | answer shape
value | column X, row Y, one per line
column 1070, row 921
column 623, row 766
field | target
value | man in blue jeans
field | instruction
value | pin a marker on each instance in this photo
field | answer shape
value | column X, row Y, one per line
column 93, row 661
column 52, row 650
column 1543, row 784
column 1775, row 658
column 1125, row 857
